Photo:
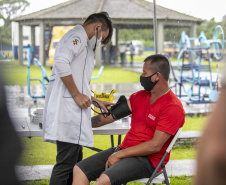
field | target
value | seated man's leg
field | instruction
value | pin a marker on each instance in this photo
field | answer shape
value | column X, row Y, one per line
column 79, row 177
column 126, row 170
column 91, row 168
column 123, row 171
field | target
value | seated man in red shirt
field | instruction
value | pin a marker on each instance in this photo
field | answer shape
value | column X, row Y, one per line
column 157, row 114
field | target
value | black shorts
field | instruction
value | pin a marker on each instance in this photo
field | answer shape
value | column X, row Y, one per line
column 123, row 171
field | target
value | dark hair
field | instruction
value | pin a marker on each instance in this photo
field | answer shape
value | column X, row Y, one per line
column 103, row 18
column 159, row 63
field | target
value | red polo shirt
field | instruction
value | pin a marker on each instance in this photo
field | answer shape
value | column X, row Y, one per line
column 166, row 114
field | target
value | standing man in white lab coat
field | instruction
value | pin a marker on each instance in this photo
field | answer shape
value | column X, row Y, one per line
column 67, row 114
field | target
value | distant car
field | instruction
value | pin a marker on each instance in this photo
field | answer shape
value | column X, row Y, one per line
column 139, row 47
column 171, row 48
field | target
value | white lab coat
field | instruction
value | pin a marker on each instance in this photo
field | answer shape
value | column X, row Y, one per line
column 63, row 119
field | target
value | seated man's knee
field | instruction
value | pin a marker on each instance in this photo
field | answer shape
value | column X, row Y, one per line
column 103, row 180
column 77, row 171
column 78, row 174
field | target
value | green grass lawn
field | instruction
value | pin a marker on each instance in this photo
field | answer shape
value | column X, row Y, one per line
column 8, row 54
column 194, row 123
column 182, row 180
column 115, row 75
column 140, row 58
column 37, row 152
column 16, row 74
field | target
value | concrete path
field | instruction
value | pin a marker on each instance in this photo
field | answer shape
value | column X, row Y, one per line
column 38, row 172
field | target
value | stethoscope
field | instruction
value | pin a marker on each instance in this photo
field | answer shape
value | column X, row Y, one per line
column 105, row 114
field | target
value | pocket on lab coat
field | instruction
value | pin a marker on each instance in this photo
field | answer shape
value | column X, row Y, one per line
column 67, row 94
column 68, row 128
column 71, row 112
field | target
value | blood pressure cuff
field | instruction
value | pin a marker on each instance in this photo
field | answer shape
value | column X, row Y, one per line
column 120, row 109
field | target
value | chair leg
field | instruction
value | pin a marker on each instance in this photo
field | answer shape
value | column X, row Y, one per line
column 165, row 174
column 112, row 141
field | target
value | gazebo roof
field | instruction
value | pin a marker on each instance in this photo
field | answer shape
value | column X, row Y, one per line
column 117, row 9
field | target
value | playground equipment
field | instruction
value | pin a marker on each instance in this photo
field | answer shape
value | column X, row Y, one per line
column 195, row 69
column 2, row 55
column 44, row 79
column 99, row 73
column 216, row 44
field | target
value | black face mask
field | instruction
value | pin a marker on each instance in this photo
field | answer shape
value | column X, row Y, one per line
column 147, row 83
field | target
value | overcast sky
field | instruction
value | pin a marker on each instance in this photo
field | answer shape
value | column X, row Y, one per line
column 205, row 9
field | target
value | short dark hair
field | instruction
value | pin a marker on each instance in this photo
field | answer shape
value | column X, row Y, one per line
column 103, row 18
column 159, row 63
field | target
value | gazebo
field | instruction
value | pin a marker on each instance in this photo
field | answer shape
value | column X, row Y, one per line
column 132, row 14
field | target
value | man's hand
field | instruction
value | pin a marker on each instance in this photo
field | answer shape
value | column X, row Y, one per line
column 82, row 100
column 103, row 104
column 114, row 158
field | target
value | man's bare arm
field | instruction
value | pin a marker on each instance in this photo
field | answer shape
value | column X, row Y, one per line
column 100, row 120
column 148, row 147
column 143, row 149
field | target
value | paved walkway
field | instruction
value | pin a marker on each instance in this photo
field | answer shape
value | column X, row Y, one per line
column 174, row 168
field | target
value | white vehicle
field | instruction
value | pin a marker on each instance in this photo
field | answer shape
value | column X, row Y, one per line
column 138, row 45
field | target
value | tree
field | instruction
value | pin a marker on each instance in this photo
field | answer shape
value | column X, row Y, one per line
column 174, row 34
column 8, row 8
column 145, row 35
column 208, row 27
column 170, row 34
